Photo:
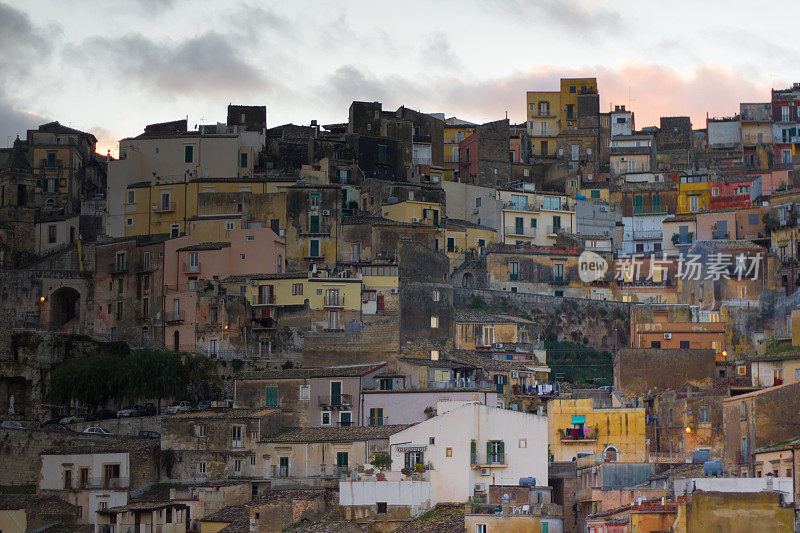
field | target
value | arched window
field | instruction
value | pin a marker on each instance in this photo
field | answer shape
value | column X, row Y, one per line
column 280, row 263
column 610, row 453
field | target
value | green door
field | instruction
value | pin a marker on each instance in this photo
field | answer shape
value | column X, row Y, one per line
column 341, row 459
column 336, row 393
column 271, row 395
column 344, row 419
column 376, row 416
column 283, row 467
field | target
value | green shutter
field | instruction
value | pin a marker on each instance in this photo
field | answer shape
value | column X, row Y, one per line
column 488, row 451
column 271, row 395
column 501, row 449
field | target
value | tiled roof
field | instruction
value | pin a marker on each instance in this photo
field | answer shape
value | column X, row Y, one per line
column 231, row 513
column 767, row 390
column 379, row 221
column 326, row 372
column 488, row 363
column 335, row 434
column 730, row 245
column 425, row 390
column 106, row 444
column 204, row 246
column 226, row 413
column 142, row 506
column 441, row 363
column 531, row 249
column 467, row 224
column 278, row 275
column 785, row 445
column 443, row 518
column 39, row 502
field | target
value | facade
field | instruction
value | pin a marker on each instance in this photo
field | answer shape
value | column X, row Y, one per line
column 632, row 153
column 415, row 405
column 534, row 217
column 543, row 109
column 471, row 447
column 484, row 156
column 455, row 131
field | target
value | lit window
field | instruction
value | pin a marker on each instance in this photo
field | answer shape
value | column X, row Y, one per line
column 434, row 321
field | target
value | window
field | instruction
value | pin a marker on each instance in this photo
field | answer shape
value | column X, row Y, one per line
column 243, row 160
column 434, row 322
column 230, row 226
column 236, row 437
column 480, row 528
column 188, row 154
column 305, row 392
column 119, row 309
column 242, row 257
column 435, row 356
column 478, row 201
column 271, row 395
column 414, row 458
column 51, row 233
column 451, row 244
column 715, row 191
column 684, row 345
column 381, row 153
column 297, row 289
column 704, row 419
column 313, row 248
column 201, row 467
column 145, row 308
column 175, row 230
column 200, row 430
column 326, row 418
column 594, row 195
column 67, row 479
column 237, row 467
column 638, row 203
column 523, row 443
column 436, row 295
column 376, row 416
column 656, row 201
column 558, row 271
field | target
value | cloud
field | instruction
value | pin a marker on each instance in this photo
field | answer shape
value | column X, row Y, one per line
column 578, row 17
column 437, row 51
column 24, row 47
column 15, row 121
column 655, row 91
column 207, row 64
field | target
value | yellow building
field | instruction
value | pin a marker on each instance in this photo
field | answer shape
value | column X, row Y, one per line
column 167, row 207
column 693, row 194
column 597, row 191
column 455, row 131
column 570, row 89
column 576, row 426
column 476, row 330
column 543, row 121
column 462, row 236
column 414, row 211
column 534, row 218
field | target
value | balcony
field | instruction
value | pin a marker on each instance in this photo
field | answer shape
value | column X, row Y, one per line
column 106, row 483
column 492, row 460
column 164, row 207
column 577, row 435
column 343, row 401
column 552, row 231
column 721, row 236
column 175, row 317
column 334, row 301
column 264, row 299
column 189, row 268
column 263, row 324
column 52, row 166
column 119, row 267
column 559, row 281
column 523, row 232
column 422, row 139
column 515, row 206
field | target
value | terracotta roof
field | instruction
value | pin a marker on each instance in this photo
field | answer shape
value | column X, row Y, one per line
column 441, row 363
column 443, row 518
column 236, row 516
column 467, row 224
column 531, row 249
column 785, row 445
column 488, row 363
column 465, row 314
column 142, row 506
column 277, row 275
column 106, row 444
column 379, row 221
column 729, row 245
column 426, row 390
column 335, row 434
column 326, row 372
column 760, row 392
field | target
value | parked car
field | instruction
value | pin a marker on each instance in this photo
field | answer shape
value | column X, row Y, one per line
column 183, row 407
column 72, row 419
column 202, row 406
column 228, row 402
column 105, row 414
column 56, row 427
column 12, row 424
column 148, row 409
column 150, row 434
column 127, row 411
column 97, row 430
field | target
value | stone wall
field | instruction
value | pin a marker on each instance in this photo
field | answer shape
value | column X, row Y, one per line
column 639, row 371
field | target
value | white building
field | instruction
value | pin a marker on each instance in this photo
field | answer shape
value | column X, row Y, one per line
column 621, row 121
column 471, row 447
column 784, row 485
column 642, row 233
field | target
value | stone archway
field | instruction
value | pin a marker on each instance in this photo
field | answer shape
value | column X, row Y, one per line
column 65, row 306
column 467, row 280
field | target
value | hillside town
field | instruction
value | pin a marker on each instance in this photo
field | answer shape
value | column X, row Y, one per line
column 405, row 322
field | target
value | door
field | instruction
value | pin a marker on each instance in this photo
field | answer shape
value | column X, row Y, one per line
column 313, row 224
column 336, row 392
column 345, row 419
column 556, row 223
column 379, row 299
column 376, row 416
column 176, row 339
column 693, row 204
column 165, row 201
column 283, row 467
column 722, row 229
column 519, row 225
column 176, row 308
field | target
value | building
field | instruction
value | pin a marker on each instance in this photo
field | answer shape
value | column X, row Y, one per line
column 781, row 460
column 99, row 475
column 693, row 194
column 167, row 517
column 632, row 153
column 785, row 123
column 534, row 217
column 644, row 208
column 311, row 397
column 756, row 125
column 313, row 215
column 168, row 159
column 316, row 454
column 32, row 512
column 484, row 156
column 578, row 427
column 455, row 131
column 17, row 205
column 219, row 443
column 683, row 421
column 571, row 89
column 719, row 511
column 757, row 420
column 471, row 447
column 543, row 109
column 677, row 327
column 535, row 269
column 415, row 405
column 636, row 370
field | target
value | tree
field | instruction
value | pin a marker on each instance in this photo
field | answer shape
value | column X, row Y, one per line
column 382, row 462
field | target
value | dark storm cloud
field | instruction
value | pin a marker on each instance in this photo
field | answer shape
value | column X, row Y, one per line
column 14, row 121
column 206, row 64
column 23, row 46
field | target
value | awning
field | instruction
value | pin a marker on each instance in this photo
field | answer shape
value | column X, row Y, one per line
column 410, row 448
column 579, row 419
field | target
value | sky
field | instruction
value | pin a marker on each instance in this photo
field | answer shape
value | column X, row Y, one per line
column 112, row 67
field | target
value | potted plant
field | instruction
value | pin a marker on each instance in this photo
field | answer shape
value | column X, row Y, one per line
column 430, row 411
column 381, row 462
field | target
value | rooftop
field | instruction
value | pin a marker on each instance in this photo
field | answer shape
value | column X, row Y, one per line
column 39, row 502
column 326, row 372
column 226, row 413
column 473, row 315
column 204, row 246
column 443, row 518
column 334, row 434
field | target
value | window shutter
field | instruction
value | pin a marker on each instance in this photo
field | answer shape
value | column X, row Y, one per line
column 488, row 449
column 501, row 449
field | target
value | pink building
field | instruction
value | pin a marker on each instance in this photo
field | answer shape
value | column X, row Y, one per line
column 468, row 159
column 188, row 265
column 716, row 225
column 771, row 180
column 730, row 193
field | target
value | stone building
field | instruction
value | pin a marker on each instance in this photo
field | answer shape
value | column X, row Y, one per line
column 638, row 371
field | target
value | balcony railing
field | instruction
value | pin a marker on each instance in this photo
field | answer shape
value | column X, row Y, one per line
column 164, row 207
column 264, row 299
column 343, row 400
column 118, row 267
column 487, row 460
column 174, row 317
column 334, row 301
column 554, row 230
column 515, row 206
column 106, row 483
column 50, row 166
column 189, row 268
column 378, row 420
column 527, row 232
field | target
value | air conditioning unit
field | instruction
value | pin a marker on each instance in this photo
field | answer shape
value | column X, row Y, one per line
column 254, row 282
column 393, row 290
column 414, row 219
column 486, row 471
column 479, row 487
column 326, row 213
column 667, row 336
column 476, row 211
column 155, row 207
